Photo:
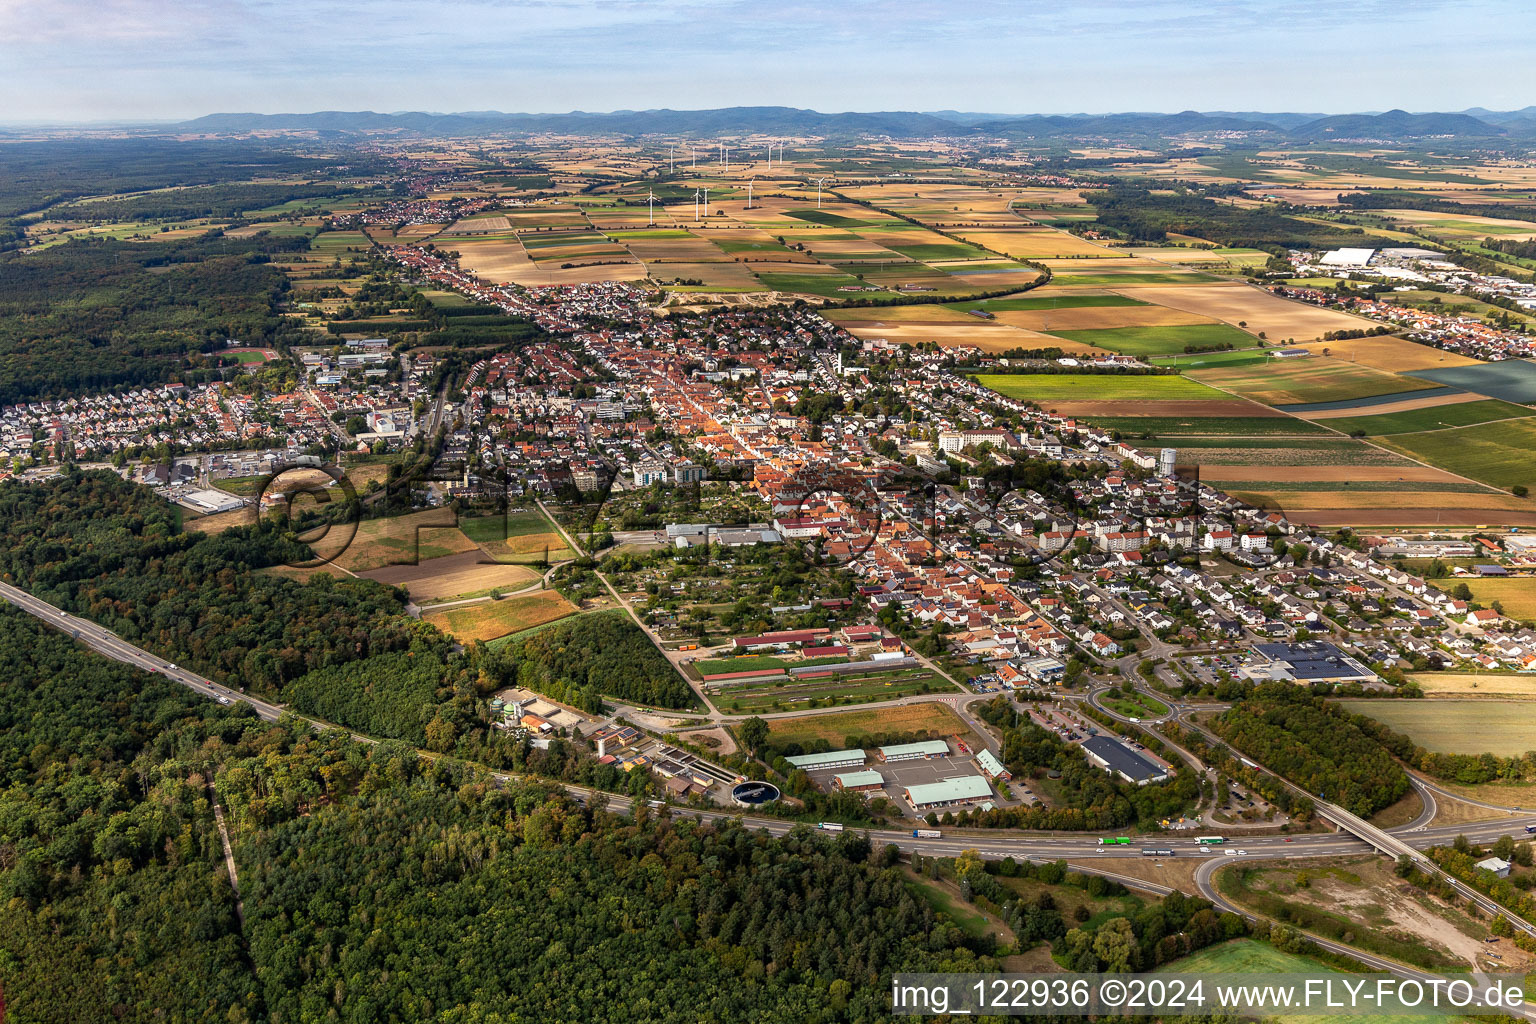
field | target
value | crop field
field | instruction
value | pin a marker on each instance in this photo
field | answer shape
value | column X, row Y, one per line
column 403, row 540
column 1197, row 360
column 1513, row 380
column 1308, row 381
column 466, row 574
column 1032, row 242
column 1495, row 453
column 1035, row 301
column 1454, row 414
column 1502, row 728
column 1157, row 341
column 521, row 536
column 1098, row 387
column 828, row 692
column 487, row 620
column 1476, row 684
column 837, row 727
column 1280, row 320
column 1198, row 426
column 1516, row 595
column 1233, row 454
column 1395, row 355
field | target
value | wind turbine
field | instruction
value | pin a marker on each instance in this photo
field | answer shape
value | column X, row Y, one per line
column 749, row 190
column 650, row 203
column 669, row 158
column 706, row 202
column 819, row 183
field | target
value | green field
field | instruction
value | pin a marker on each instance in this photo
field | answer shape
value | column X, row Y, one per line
column 1159, row 341
column 1098, row 387
column 715, row 666
column 1434, row 417
column 516, row 523
column 1241, row 357
column 1495, row 453
column 829, row 219
column 810, row 284
column 1033, row 302
column 1309, row 381
column 1246, row 956
column 1210, row 426
column 791, row 696
column 1506, row 728
column 942, row 251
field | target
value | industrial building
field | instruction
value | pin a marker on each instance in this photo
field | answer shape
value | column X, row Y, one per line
column 828, row 759
column 866, row 781
column 1315, row 661
column 1118, row 759
column 913, row 751
column 965, row 789
column 990, row 766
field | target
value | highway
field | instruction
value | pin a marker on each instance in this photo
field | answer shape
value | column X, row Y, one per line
column 1083, row 852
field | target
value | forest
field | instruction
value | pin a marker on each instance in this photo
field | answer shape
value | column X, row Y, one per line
column 1140, row 214
column 588, row 657
column 90, row 315
column 223, row 201
column 1316, row 745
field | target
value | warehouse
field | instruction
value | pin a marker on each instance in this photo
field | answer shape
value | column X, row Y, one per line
column 1118, row 759
column 962, row 790
column 866, row 781
column 829, row 759
column 912, row 751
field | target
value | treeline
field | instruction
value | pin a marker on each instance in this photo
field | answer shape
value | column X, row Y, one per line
column 1146, row 216
column 589, row 657
column 223, row 201
column 94, row 314
column 1401, row 199
column 1316, row 745
column 1512, row 247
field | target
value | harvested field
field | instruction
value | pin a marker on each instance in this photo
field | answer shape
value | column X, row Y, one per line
column 1426, row 517
column 441, row 579
column 487, row 620
column 1279, row 319
column 1381, row 410
column 985, row 336
column 404, row 541
column 1395, row 355
column 1425, row 504
column 1475, row 684
column 836, row 727
column 1329, row 473
column 1503, row 728
column 1516, row 595
column 1032, row 242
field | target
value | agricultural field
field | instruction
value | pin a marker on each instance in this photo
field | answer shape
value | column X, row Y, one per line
column 403, row 540
column 1468, row 411
column 1496, row 453
column 835, row 729
column 1515, row 594
column 1158, row 341
column 466, row 574
column 488, row 620
column 1199, row 360
column 788, row 695
column 1501, row 727
column 1254, row 309
column 1308, row 382
column 1513, row 380
column 522, row 536
column 1488, row 685
column 1099, row 387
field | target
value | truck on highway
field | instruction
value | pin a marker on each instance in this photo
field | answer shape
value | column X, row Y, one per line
column 926, row 833
column 1157, row 853
column 1210, row 841
column 830, row 826
column 1117, row 841
column 1530, row 829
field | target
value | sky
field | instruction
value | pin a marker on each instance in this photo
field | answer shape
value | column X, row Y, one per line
column 112, row 60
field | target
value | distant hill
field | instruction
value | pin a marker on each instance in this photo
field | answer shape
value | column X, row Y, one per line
column 766, row 120
column 1476, row 124
column 1395, row 124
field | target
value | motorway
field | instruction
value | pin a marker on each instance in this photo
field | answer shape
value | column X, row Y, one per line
column 1084, row 852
